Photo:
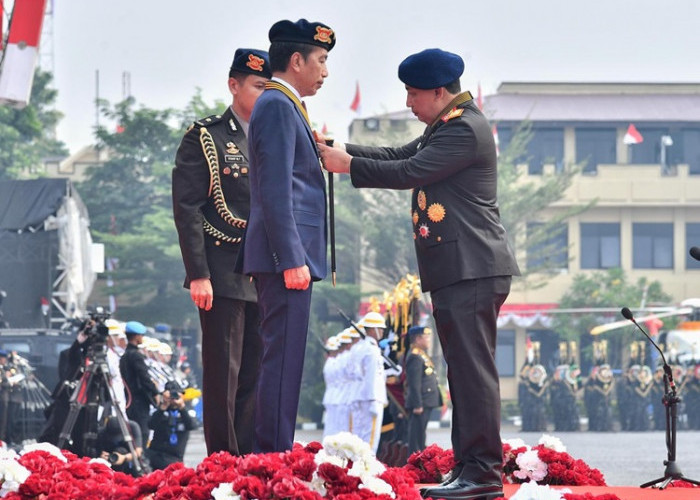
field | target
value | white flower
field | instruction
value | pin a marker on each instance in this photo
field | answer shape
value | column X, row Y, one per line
column 317, row 484
column 515, row 443
column 531, row 467
column 224, row 492
column 347, row 445
column 12, row 475
column 322, row 457
column 47, row 447
column 368, row 467
column 99, row 460
column 534, row 491
column 377, row 486
column 553, row 443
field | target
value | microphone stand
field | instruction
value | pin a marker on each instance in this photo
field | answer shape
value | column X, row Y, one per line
column 670, row 400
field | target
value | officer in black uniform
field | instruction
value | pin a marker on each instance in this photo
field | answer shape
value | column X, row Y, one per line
column 421, row 387
column 137, row 381
column 211, row 204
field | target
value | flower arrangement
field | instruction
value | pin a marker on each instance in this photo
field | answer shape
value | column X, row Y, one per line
column 343, row 468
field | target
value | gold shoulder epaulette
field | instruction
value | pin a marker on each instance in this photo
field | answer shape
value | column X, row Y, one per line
column 454, row 113
column 417, row 351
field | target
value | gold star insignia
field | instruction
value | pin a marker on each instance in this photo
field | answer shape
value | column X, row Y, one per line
column 436, row 212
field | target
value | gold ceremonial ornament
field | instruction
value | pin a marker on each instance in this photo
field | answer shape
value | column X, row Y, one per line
column 421, row 200
column 436, row 212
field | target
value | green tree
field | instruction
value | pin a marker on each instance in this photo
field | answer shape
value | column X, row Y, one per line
column 600, row 296
column 129, row 203
column 524, row 200
column 27, row 134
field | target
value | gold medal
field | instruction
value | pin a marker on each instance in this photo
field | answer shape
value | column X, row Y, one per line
column 231, row 148
column 436, row 212
column 415, row 218
column 424, row 231
column 421, row 200
column 428, row 371
column 227, row 171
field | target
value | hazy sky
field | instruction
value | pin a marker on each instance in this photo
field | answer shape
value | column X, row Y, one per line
column 171, row 47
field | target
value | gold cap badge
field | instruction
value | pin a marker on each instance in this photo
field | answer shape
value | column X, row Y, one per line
column 255, row 63
column 324, row 35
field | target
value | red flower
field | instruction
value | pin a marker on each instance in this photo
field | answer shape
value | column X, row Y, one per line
column 173, row 492
column 35, row 485
column 304, row 468
column 249, row 487
column 288, row 487
column 313, row 447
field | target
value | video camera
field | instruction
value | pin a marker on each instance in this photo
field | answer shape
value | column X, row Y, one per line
column 94, row 325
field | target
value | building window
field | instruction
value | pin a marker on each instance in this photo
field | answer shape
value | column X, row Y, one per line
column 648, row 152
column 505, row 353
column 399, row 125
column 372, row 124
column 690, row 145
column 600, row 245
column 692, row 239
column 595, row 147
column 545, row 148
column 652, row 245
column 550, row 250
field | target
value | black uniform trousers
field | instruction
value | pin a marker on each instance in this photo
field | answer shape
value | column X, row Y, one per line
column 231, row 350
column 417, row 423
column 465, row 316
column 284, row 326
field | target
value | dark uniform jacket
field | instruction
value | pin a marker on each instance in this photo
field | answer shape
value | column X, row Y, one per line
column 211, row 200
column 421, row 381
column 132, row 366
column 452, row 170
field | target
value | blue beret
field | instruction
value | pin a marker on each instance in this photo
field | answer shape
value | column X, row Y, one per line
column 134, row 328
column 418, row 330
column 251, row 61
column 431, row 69
column 303, row 31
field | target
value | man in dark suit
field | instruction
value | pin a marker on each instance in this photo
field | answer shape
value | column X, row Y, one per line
column 421, row 387
column 211, row 203
column 285, row 242
column 464, row 258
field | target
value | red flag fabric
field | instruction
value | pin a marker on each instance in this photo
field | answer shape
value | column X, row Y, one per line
column 355, row 105
column 22, row 52
column 633, row 136
column 479, row 97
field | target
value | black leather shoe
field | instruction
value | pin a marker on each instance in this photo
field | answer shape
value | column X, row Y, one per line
column 453, row 474
column 462, row 489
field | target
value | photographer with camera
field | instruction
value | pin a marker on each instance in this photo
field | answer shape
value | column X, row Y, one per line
column 171, row 424
column 113, row 447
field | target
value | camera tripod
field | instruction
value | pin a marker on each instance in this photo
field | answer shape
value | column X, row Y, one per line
column 89, row 394
column 670, row 400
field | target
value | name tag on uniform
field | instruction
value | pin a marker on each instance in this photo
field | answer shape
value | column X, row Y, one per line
column 233, row 158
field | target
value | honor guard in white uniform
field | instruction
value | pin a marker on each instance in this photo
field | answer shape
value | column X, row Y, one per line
column 331, row 379
column 368, row 409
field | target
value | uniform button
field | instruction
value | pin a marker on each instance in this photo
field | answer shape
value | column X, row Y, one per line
column 217, row 243
column 439, row 238
column 235, row 175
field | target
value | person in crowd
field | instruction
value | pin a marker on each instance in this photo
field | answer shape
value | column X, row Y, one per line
column 140, row 388
column 171, row 425
column 464, row 258
column 422, row 390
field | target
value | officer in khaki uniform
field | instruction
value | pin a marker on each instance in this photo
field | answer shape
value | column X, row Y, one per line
column 421, row 387
column 211, row 203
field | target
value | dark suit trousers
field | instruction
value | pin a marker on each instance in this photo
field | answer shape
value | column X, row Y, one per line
column 231, row 350
column 465, row 316
column 284, row 323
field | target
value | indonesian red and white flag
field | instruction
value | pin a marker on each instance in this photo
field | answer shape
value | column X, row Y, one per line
column 355, row 104
column 22, row 52
column 494, row 130
column 633, row 136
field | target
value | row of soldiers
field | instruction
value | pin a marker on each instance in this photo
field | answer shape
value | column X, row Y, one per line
column 637, row 394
